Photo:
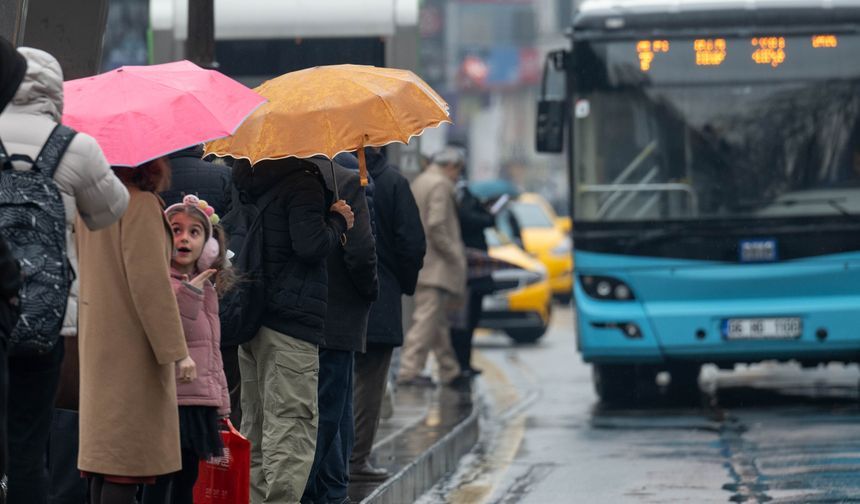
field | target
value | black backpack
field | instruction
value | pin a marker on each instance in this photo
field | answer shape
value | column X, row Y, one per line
column 242, row 308
column 33, row 224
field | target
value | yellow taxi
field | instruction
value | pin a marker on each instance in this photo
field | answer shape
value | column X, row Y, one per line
column 531, row 219
column 521, row 303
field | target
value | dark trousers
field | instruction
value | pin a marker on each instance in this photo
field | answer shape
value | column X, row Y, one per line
column 371, row 376
column 334, row 470
column 4, row 408
column 176, row 488
column 461, row 339
column 66, row 484
column 230, row 359
column 32, row 387
column 329, row 472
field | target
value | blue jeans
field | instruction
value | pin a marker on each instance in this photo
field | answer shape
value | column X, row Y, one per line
column 32, row 385
column 329, row 476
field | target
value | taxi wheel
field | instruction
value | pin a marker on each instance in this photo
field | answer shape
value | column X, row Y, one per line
column 563, row 299
column 526, row 336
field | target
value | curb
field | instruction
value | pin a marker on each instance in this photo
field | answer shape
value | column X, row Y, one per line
column 424, row 472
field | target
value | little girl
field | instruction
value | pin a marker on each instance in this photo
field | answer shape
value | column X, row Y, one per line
column 198, row 259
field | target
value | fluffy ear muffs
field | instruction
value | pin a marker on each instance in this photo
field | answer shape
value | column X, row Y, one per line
column 209, row 255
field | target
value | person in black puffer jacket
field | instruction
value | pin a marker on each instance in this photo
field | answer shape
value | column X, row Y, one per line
column 280, row 365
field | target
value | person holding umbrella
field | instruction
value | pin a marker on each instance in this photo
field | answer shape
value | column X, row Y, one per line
column 352, row 107
column 280, row 365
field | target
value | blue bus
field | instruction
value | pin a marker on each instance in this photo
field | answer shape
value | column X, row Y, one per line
column 714, row 158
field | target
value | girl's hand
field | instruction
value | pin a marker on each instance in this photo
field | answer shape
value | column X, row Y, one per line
column 200, row 280
column 187, row 371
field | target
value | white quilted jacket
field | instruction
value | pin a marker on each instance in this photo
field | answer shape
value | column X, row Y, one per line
column 86, row 182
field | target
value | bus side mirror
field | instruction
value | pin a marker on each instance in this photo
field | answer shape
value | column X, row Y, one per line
column 552, row 111
column 550, row 126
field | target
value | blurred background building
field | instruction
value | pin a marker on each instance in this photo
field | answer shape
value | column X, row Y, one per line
column 484, row 56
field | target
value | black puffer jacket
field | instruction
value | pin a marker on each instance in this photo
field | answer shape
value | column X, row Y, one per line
column 191, row 175
column 352, row 269
column 400, row 248
column 298, row 234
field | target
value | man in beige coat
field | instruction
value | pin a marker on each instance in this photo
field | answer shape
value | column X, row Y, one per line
column 443, row 277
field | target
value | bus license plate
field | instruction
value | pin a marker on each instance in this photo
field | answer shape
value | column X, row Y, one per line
column 762, row 328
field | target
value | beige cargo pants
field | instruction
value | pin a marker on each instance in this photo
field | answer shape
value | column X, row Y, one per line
column 429, row 333
column 279, row 414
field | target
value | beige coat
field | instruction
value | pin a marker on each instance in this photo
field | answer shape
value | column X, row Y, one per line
column 130, row 337
column 86, row 182
column 445, row 261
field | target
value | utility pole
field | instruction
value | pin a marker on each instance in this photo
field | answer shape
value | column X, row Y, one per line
column 200, row 45
column 72, row 30
column 12, row 15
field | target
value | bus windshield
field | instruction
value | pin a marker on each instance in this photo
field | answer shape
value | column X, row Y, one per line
column 759, row 126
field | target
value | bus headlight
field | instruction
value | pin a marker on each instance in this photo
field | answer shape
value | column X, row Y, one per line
column 606, row 288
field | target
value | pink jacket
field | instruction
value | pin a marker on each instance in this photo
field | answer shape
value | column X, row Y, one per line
column 202, row 328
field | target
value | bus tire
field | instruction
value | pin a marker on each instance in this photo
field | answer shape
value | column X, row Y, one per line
column 626, row 384
column 684, row 382
column 614, row 383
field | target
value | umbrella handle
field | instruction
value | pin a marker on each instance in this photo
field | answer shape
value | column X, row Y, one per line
column 362, row 167
column 334, row 180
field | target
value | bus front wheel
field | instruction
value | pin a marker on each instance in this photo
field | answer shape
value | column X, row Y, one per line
column 684, row 382
column 622, row 383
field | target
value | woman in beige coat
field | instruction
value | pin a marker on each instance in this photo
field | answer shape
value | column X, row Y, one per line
column 130, row 338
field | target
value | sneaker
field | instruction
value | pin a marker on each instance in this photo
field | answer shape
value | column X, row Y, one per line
column 416, row 381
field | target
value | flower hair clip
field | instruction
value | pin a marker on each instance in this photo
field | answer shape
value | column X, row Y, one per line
column 204, row 207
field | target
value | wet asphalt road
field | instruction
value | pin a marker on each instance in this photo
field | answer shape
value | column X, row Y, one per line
column 765, row 433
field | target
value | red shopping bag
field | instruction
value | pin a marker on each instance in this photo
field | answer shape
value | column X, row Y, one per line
column 226, row 479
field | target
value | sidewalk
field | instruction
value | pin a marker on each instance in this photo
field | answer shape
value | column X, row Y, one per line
column 424, row 440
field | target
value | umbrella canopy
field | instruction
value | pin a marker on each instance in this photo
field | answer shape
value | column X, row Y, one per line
column 327, row 110
column 492, row 189
column 139, row 113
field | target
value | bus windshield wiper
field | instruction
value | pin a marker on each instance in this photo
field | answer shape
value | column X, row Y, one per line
column 832, row 202
column 653, row 235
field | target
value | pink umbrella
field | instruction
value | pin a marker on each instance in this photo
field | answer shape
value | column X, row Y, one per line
column 139, row 113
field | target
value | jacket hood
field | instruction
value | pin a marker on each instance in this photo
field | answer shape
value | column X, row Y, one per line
column 13, row 66
column 256, row 180
column 41, row 92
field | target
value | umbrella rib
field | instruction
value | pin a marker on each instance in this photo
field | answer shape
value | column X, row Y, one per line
column 402, row 137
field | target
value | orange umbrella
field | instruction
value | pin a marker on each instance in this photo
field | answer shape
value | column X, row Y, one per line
column 327, row 110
